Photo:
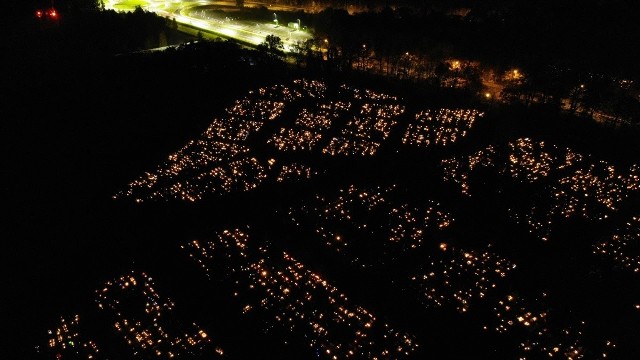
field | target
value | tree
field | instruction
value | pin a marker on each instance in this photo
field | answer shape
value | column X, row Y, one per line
column 240, row 3
column 273, row 43
column 441, row 71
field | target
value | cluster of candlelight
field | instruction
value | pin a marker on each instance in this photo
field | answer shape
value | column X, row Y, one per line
column 289, row 296
column 361, row 94
column 623, row 247
column 364, row 133
column 352, row 122
column 540, row 334
column 219, row 160
column 459, row 276
column 355, row 221
column 341, row 145
column 309, row 127
column 232, row 129
column 295, row 171
column 67, row 340
column 569, row 184
column 364, row 119
column 146, row 321
column 300, row 88
column 295, row 139
column 322, row 118
column 441, row 127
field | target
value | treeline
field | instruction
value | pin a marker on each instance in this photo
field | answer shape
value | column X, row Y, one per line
column 606, row 99
column 600, row 37
column 579, row 57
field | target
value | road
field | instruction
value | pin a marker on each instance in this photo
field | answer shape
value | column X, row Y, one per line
column 199, row 14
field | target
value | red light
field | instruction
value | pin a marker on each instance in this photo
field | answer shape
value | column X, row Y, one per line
column 52, row 13
column 39, row 13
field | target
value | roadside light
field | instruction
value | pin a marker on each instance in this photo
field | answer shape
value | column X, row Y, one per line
column 487, row 95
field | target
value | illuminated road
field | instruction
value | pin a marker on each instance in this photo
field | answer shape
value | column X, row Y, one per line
column 198, row 14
